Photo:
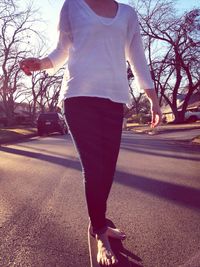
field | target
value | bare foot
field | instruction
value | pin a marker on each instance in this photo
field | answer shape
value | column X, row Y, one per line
column 105, row 255
column 115, row 233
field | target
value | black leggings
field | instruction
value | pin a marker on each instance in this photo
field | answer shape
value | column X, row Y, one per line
column 95, row 125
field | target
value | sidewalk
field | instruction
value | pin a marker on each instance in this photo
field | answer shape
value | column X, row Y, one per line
column 145, row 129
column 14, row 134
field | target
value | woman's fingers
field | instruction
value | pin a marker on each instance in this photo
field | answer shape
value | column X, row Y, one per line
column 156, row 117
column 30, row 64
column 155, row 120
column 25, row 68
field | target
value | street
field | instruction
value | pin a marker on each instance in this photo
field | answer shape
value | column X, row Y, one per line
column 155, row 199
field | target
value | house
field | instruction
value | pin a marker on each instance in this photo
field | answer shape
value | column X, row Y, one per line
column 193, row 106
column 22, row 109
column 21, row 114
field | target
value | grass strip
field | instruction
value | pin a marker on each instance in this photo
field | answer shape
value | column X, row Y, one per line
column 13, row 134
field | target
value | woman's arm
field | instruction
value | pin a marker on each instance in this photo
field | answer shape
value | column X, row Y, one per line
column 136, row 57
column 135, row 53
column 156, row 114
column 46, row 63
column 59, row 55
column 53, row 61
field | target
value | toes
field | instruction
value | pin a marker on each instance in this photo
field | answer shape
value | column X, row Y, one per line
column 102, row 261
column 116, row 233
column 114, row 260
column 99, row 259
column 110, row 261
column 122, row 234
column 107, row 260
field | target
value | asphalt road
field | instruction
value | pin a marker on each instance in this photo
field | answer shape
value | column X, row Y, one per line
column 155, row 199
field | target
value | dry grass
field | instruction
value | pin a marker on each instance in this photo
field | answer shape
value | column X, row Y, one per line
column 12, row 134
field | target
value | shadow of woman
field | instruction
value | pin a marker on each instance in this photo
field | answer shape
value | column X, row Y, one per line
column 125, row 258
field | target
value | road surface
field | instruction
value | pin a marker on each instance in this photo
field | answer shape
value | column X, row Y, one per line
column 155, row 199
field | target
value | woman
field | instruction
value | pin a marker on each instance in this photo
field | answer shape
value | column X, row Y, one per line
column 97, row 37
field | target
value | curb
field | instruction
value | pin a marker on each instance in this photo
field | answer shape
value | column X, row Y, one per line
column 160, row 131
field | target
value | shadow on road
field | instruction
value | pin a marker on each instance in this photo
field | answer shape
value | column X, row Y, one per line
column 161, row 148
column 179, row 194
column 125, row 257
column 69, row 163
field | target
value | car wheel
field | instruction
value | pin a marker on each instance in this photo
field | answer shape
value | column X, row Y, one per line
column 192, row 119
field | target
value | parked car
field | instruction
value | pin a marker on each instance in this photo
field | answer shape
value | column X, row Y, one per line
column 50, row 122
column 192, row 116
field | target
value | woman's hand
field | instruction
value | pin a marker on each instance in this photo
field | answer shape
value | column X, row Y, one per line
column 156, row 115
column 30, row 64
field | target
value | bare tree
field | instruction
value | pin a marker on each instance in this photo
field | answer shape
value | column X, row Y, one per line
column 139, row 103
column 173, row 47
column 6, row 8
column 17, row 30
column 43, row 93
column 52, row 95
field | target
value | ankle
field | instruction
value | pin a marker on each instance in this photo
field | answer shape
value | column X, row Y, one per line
column 101, row 236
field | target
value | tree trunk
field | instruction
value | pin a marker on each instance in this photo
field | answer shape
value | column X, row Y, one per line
column 179, row 116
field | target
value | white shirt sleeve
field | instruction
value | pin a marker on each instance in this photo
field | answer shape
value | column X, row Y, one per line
column 59, row 55
column 135, row 54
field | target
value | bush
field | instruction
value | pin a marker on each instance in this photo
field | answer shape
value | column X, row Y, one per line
column 145, row 118
column 140, row 118
column 133, row 119
column 3, row 121
column 23, row 120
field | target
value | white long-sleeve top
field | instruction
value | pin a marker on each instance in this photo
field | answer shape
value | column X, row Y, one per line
column 96, row 50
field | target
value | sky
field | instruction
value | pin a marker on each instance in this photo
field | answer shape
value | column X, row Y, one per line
column 49, row 10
